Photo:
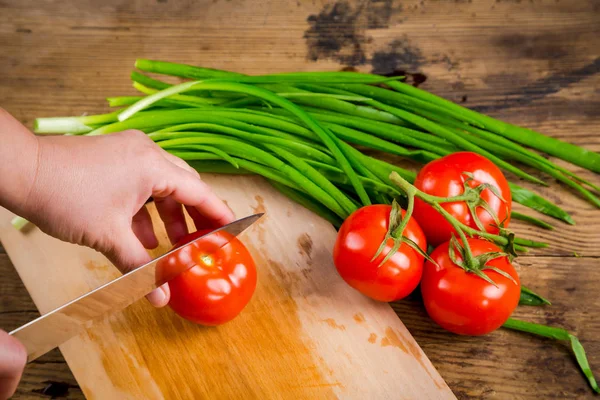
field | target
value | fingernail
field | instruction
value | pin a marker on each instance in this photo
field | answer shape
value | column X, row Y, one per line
column 158, row 297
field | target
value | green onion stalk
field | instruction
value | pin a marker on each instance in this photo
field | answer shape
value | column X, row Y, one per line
column 403, row 94
column 264, row 123
column 562, row 335
column 415, row 97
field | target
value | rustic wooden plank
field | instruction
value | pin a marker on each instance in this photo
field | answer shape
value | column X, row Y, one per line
column 533, row 63
column 48, row 380
column 48, row 374
column 16, row 306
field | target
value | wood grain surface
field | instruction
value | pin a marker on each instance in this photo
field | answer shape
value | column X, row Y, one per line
column 305, row 334
column 530, row 62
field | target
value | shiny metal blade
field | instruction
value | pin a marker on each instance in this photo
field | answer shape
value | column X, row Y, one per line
column 54, row 328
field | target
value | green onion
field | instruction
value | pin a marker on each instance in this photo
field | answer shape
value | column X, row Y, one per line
column 558, row 148
column 74, row 125
column 266, row 95
column 531, row 220
column 311, row 116
column 538, row 203
column 244, row 150
column 19, row 222
column 558, row 334
column 529, row 298
column 451, row 136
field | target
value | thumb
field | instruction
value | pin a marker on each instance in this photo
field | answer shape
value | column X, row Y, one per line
column 13, row 357
column 127, row 254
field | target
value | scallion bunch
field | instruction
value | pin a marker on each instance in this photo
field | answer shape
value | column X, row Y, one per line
column 306, row 133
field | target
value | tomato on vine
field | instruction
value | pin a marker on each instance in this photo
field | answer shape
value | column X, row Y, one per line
column 488, row 204
column 220, row 282
column 393, row 273
column 464, row 301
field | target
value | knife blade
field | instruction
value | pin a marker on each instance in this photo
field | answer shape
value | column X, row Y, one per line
column 59, row 325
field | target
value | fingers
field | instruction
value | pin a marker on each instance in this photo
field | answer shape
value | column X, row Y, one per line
column 200, row 221
column 127, row 254
column 172, row 216
column 159, row 297
column 186, row 188
column 143, row 229
column 199, row 213
column 179, row 162
column 13, row 358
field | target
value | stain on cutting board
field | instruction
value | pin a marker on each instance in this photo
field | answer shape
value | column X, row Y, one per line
column 373, row 338
column 96, row 266
column 101, row 271
column 359, row 318
column 258, row 225
column 305, row 245
column 331, row 322
column 260, row 205
column 392, row 339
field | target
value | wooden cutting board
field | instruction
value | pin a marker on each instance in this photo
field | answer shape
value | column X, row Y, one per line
column 304, row 335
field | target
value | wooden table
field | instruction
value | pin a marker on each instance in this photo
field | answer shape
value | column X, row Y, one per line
column 534, row 63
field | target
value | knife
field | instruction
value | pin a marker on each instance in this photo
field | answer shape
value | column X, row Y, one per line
column 54, row 328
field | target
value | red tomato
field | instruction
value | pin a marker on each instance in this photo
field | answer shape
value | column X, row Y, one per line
column 220, row 283
column 464, row 303
column 444, row 178
column 357, row 242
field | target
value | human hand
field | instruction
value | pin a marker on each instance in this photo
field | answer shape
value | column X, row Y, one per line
column 92, row 190
column 13, row 357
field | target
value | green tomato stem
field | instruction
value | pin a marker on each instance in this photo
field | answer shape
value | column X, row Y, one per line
column 458, row 227
column 531, row 220
column 435, row 201
column 397, row 233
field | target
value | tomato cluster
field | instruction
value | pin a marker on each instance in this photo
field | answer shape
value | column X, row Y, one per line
column 455, row 298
